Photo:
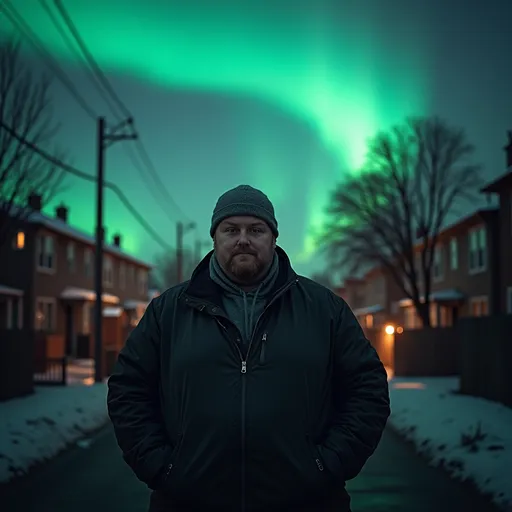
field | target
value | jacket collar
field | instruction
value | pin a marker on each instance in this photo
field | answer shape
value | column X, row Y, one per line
column 201, row 287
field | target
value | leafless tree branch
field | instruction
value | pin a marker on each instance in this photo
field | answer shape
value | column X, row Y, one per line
column 415, row 175
column 25, row 105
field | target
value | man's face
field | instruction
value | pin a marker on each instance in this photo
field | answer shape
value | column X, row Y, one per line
column 244, row 247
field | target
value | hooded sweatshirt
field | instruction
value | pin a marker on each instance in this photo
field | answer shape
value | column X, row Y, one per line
column 244, row 308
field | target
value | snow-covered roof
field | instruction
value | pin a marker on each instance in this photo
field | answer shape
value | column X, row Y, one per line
column 7, row 290
column 66, row 229
column 369, row 310
column 72, row 293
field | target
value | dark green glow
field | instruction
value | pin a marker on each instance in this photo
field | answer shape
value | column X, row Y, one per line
column 333, row 72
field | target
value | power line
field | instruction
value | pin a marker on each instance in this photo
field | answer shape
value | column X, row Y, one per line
column 72, row 48
column 142, row 152
column 144, row 156
column 90, row 59
column 85, row 176
column 17, row 20
column 19, row 24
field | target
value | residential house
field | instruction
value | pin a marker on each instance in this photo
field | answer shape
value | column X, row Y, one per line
column 465, row 272
column 48, row 279
column 502, row 187
column 373, row 298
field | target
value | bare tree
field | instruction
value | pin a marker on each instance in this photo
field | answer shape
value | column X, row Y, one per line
column 25, row 107
column 166, row 269
column 391, row 214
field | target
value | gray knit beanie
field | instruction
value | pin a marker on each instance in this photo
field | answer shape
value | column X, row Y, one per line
column 244, row 200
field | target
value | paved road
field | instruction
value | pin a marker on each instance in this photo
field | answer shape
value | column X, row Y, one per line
column 97, row 480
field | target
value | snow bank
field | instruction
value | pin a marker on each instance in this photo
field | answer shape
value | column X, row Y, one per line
column 470, row 437
column 37, row 427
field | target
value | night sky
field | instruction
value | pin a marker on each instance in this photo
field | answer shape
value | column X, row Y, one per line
column 278, row 94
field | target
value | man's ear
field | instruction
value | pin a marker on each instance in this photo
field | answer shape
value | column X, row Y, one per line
column 274, row 242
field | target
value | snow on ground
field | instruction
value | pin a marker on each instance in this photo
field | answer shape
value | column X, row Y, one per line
column 37, row 427
column 471, row 437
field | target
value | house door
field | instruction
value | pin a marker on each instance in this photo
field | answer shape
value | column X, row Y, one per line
column 70, row 331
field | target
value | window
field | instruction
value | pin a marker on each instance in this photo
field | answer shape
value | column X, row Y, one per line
column 477, row 250
column 479, row 306
column 143, row 281
column 368, row 320
column 19, row 241
column 509, row 300
column 108, row 271
column 88, row 262
column 122, row 275
column 438, row 264
column 45, row 314
column 454, row 254
column 71, row 256
column 45, row 253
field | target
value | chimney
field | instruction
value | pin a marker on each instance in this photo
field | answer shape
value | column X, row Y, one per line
column 117, row 240
column 35, row 201
column 508, row 150
column 61, row 213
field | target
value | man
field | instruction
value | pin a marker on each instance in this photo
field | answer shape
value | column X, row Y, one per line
column 248, row 388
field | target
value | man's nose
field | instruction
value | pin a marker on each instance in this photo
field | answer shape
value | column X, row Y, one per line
column 243, row 239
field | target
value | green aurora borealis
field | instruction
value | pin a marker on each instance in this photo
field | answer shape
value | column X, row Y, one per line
column 341, row 72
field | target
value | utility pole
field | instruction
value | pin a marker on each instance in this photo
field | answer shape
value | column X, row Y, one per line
column 103, row 140
column 181, row 229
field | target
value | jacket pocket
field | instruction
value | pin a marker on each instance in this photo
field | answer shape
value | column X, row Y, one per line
column 263, row 348
column 315, row 454
column 174, row 459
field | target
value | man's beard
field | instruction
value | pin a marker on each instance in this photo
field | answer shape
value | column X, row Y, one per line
column 246, row 270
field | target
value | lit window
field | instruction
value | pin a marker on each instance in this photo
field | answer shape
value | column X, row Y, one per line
column 19, row 241
column 479, row 306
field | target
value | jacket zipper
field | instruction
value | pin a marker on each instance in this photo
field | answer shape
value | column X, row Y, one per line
column 243, row 371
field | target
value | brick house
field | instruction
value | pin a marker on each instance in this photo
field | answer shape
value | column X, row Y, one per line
column 47, row 283
column 465, row 272
column 377, row 305
column 502, row 187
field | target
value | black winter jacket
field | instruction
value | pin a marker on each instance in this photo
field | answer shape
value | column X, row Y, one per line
column 279, row 428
